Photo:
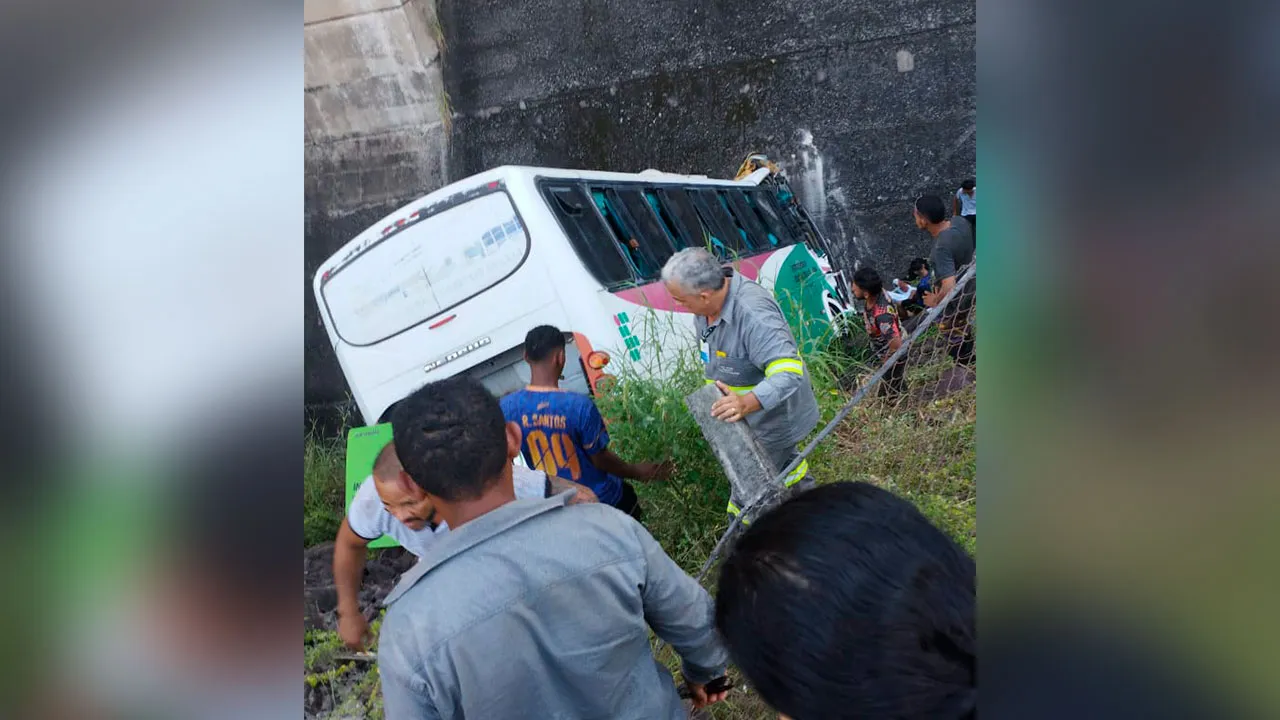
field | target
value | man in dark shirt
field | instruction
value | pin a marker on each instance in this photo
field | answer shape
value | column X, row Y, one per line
column 564, row 434
column 952, row 253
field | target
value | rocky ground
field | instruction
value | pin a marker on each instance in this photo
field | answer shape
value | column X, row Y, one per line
column 321, row 596
column 331, row 692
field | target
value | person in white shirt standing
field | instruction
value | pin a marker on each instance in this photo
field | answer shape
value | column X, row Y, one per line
column 966, row 205
column 390, row 503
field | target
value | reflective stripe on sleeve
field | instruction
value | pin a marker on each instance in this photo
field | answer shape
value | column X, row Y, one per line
column 791, row 365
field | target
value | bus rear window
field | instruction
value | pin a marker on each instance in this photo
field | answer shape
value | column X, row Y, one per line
column 426, row 269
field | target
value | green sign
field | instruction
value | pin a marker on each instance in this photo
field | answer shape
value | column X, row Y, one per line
column 363, row 446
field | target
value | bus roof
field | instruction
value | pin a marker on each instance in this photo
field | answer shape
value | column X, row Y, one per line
column 507, row 174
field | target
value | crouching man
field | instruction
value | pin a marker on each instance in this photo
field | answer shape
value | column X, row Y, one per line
column 390, row 503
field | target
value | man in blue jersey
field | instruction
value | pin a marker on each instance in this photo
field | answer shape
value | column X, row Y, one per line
column 564, row 435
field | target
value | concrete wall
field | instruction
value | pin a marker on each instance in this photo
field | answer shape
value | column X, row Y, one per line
column 867, row 103
column 376, row 135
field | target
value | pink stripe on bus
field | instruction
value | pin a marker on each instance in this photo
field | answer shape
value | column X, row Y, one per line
column 655, row 295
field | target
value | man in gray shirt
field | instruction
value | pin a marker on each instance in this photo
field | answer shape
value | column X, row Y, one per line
column 528, row 608
column 749, row 353
column 953, row 250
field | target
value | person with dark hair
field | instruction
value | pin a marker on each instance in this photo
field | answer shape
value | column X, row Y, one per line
column 564, row 434
column 390, row 503
column 880, row 318
column 845, row 602
column 953, row 250
column 916, row 284
column 918, row 272
column 966, row 205
column 527, row 608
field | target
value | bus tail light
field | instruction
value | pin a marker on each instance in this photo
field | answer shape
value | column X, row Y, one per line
column 597, row 359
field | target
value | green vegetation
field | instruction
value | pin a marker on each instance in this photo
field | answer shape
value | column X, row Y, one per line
column 350, row 687
column 323, row 489
column 923, row 450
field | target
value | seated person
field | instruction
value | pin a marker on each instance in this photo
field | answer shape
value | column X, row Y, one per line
column 389, row 503
column 917, row 284
column 845, row 602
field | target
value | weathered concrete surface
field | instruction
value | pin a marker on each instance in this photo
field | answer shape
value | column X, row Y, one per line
column 376, row 133
column 373, row 99
column 745, row 463
column 320, row 594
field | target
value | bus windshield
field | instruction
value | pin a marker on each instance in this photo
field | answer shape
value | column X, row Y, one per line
column 426, row 269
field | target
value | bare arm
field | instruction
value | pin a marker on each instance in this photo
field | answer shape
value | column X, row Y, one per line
column 932, row 299
column 607, row 461
column 559, row 485
column 596, row 445
column 945, row 286
column 955, row 205
column 348, row 566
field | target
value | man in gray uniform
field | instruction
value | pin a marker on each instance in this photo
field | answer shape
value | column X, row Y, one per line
column 749, row 353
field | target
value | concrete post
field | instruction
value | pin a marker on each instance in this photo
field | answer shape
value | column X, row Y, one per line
column 750, row 473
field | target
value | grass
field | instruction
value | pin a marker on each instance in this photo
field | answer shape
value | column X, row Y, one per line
column 323, row 487
column 923, row 451
column 352, row 690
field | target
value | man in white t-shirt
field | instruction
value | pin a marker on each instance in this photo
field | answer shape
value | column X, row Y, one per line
column 389, row 502
column 966, row 204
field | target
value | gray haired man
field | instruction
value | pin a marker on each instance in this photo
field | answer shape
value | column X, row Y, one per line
column 748, row 351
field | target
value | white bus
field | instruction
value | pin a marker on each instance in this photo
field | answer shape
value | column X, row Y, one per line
column 451, row 283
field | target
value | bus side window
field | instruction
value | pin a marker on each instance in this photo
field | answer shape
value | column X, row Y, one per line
column 723, row 236
column 689, row 227
column 589, row 236
column 639, row 237
column 655, row 240
column 741, row 210
column 623, row 235
column 792, row 231
column 664, row 219
column 748, row 239
column 767, row 212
